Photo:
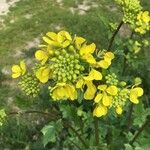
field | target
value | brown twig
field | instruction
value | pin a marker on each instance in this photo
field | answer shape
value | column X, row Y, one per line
column 114, row 34
column 51, row 115
column 139, row 131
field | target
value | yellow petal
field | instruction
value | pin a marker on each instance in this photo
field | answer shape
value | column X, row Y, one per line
column 71, row 92
column 98, row 97
column 16, row 75
column 16, row 69
column 79, row 83
column 89, row 58
column 68, row 36
column 100, row 111
column 90, row 91
column 109, row 55
column 135, row 93
column 40, row 55
column 112, row 90
column 134, row 99
column 23, row 67
column 43, row 74
column 102, row 87
column 79, row 41
column 47, row 40
column 87, row 49
column 52, row 35
column 104, row 64
column 107, row 100
column 119, row 110
column 93, row 75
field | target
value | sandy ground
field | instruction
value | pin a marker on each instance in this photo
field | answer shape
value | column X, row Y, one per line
column 4, row 6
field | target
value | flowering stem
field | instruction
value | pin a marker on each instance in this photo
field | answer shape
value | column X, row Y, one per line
column 139, row 131
column 114, row 34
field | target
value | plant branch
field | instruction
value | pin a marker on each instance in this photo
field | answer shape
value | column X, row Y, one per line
column 51, row 115
column 76, row 145
column 139, row 131
column 77, row 134
column 129, row 118
column 114, row 35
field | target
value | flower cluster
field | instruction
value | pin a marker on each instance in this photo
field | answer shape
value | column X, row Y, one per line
column 130, row 10
column 142, row 23
column 115, row 96
column 30, row 85
column 133, row 15
column 69, row 64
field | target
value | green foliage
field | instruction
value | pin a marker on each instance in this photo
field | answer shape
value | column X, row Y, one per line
column 51, row 131
column 140, row 114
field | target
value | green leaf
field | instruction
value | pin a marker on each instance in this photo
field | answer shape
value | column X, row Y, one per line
column 140, row 114
column 128, row 147
column 49, row 134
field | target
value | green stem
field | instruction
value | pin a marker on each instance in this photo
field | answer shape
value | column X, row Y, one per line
column 76, row 145
column 129, row 119
column 114, row 35
column 96, row 131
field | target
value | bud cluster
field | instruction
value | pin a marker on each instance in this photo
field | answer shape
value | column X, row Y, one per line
column 130, row 10
column 66, row 66
column 120, row 98
column 30, row 85
column 111, row 79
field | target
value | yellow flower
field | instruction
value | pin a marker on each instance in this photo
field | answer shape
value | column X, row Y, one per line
column 100, row 111
column 51, row 39
column 43, row 74
column 62, row 39
column 107, row 60
column 90, row 91
column 91, row 88
column 86, row 52
column 18, row 70
column 42, row 56
column 135, row 93
column 106, row 94
column 64, row 91
column 142, row 23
